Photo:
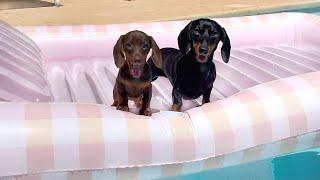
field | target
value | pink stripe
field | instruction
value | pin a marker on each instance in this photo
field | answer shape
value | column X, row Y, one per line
column 312, row 78
column 245, row 20
column 53, row 30
column 37, row 111
column 139, row 153
column 184, row 149
column 88, row 111
column 91, row 141
column 101, row 29
column 183, row 139
column 78, row 30
column 123, row 28
column 224, row 142
column 296, row 115
column 223, row 133
column 64, row 110
column 40, row 159
column 261, row 124
column 91, row 156
column 139, row 143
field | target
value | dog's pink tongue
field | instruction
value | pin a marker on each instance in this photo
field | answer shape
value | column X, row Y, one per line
column 135, row 72
column 202, row 58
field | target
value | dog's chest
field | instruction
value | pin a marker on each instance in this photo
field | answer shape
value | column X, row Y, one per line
column 193, row 75
column 135, row 89
column 193, row 80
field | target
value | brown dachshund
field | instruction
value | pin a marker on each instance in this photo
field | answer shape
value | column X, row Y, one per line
column 134, row 77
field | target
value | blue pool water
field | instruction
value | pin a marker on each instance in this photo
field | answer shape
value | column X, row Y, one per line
column 298, row 166
column 315, row 10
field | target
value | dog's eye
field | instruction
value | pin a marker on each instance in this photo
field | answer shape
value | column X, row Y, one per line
column 145, row 46
column 214, row 34
column 197, row 33
column 128, row 46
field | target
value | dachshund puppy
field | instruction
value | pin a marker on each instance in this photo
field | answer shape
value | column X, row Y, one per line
column 134, row 77
column 190, row 69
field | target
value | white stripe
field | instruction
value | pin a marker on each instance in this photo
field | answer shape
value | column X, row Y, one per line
column 204, row 140
column 41, row 31
column 275, row 111
column 157, row 28
column 161, row 136
column 308, row 99
column 254, row 20
column 178, row 25
column 113, row 30
column 64, row 130
column 236, row 22
column 115, row 132
column 240, row 121
column 65, row 31
column 134, row 26
column 12, row 126
column 274, row 19
column 89, row 30
column 12, row 133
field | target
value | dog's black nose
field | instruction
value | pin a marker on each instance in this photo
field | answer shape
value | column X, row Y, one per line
column 203, row 50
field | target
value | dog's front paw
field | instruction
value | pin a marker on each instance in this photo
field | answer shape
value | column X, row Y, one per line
column 146, row 112
column 138, row 103
column 204, row 101
column 123, row 108
column 176, row 107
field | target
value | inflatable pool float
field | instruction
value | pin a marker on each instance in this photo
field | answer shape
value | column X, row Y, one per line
column 56, row 121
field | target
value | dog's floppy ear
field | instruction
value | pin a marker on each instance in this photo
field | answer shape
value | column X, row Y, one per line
column 118, row 54
column 184, row 39
column 226, row 47
column 156, row 54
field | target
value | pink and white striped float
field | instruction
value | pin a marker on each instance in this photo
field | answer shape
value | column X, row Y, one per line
column 265, row 102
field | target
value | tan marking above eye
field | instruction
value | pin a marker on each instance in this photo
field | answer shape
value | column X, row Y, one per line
column 197, row 47
column 211, row 48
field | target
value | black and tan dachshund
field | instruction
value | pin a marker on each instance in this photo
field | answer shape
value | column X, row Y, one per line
column 134, row 77
column 190, row 69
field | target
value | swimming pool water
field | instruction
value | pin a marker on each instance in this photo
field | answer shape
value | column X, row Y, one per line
column 314, row 10
column 303, row 165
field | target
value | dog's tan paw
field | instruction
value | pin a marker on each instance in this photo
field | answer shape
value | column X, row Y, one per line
column 146, row 112
column 138, row 103
column 176, row 108
column 115, row 103
column 123, row 108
